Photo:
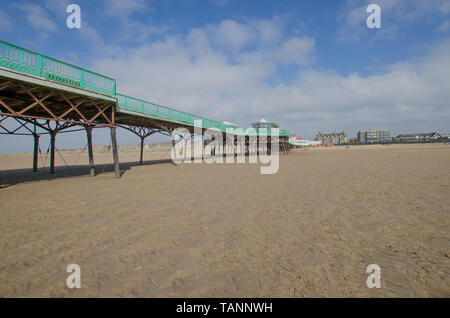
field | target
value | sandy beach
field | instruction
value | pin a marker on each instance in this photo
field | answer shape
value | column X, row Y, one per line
column 225, row 230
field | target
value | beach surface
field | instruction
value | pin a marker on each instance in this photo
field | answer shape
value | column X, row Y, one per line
column 225, row 230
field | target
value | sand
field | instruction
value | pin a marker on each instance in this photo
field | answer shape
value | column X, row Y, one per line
column 191, row 230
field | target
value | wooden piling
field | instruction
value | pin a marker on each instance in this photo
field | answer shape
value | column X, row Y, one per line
column 115, row 152
column 35, row 152
column 142, row 151
column 52, row 151
column 90, row 150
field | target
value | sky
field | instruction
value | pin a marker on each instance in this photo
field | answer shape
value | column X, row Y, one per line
column 308, row 65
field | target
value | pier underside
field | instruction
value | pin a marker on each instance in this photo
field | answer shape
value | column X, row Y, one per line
column 42, row 95
column 29, row 101
column 42, row 107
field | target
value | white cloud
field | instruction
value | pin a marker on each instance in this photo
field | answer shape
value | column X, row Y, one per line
column 269, row 31
column 130, row 28
column 296, row 51
column 124, row 8
column 352, row 17
column 189, row 73
column 230, row 32
column 87, row 32
column 37, row 17
column 58, row 6
column 444, row 26
column 255, row 39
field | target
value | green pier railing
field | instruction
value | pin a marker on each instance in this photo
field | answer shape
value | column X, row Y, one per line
column 166, row 113
column 28, row 62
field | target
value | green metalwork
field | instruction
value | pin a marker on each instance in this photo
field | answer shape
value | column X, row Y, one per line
column 166, row 113
column 25, row 61
column 268, row 132
column 28, row 62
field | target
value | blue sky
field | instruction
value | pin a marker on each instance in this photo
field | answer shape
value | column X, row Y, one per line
column 309, row 65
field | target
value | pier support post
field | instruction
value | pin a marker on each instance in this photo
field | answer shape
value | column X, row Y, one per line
column 52, row 151
column 115, row 152
column 174, row 152
column 35, row 152
column 90, row 150
column 142, row 151
column 224, row 146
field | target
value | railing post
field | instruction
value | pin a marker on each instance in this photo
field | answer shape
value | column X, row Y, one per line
column 82, row 79
column 40, row 65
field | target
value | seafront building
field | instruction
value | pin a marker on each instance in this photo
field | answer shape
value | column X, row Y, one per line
column 298, row 142
column 265, row 124
column 335, row 138
column 373, row 136
column 419, row 137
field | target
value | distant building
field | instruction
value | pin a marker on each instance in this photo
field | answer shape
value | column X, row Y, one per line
column 298, row 142
column 265, row 124
column 335, row 138
column 418, row 137
column 373, row 136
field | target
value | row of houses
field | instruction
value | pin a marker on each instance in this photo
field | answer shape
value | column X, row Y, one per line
column 433, row 136
column 384, row 136
column 335, row 138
